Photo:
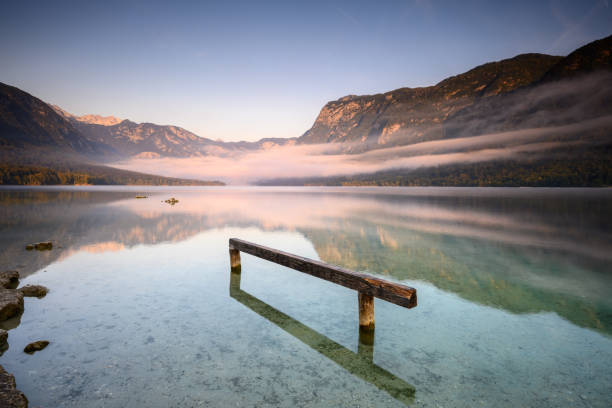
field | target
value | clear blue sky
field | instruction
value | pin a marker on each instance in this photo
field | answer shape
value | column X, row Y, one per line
column 245, row 70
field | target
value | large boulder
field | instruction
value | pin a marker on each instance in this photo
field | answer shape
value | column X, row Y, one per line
column 10, row 396
column 9, row 279
column 11, row 303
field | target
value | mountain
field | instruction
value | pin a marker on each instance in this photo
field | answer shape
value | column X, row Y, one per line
column 132, row 139
column 532, row 120
column 91, row 119
column 577, row 89
column 595, row 56
column 410, row 115
column 398, row 117
column 148, row 140
column 361, row 123
column 126, row 138
column 30, row 130
column 39, row 146
column 525, row 120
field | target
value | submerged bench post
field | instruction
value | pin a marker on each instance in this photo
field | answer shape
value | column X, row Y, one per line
column 366, row 311
column 234, row 259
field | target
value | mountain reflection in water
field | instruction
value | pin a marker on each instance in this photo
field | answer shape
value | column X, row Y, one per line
column 521, row 250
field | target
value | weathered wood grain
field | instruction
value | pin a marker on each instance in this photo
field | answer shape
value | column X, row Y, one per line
column 234, row 257
column 396, row 293
column 366, row 310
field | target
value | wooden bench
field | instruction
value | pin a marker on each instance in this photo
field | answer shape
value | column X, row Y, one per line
column 367, row 287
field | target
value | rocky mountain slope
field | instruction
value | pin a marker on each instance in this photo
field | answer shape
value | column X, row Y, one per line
column 33, row 132
column 543, row 123
column 29, row 127
column 133, row 139
column 149, row 140
column 410, row 115
column 595, row 56
column 91, row 119
column 39, row 146
column 576, row 89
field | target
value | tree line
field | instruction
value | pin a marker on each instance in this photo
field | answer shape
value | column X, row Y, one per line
column 39, row 175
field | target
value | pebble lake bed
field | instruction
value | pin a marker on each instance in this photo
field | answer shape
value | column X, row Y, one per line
column 514, row 297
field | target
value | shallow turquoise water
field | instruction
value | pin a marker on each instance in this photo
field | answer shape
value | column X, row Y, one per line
column 514, row 287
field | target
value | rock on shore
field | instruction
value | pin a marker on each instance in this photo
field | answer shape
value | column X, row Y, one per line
column 3, row 341
column 38, row 291
column 11, row 303
column 10, row 396
column 9, row 279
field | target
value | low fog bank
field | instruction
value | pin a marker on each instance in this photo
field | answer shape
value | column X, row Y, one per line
column 550, row 104
column 316, row 160
column 537, row 121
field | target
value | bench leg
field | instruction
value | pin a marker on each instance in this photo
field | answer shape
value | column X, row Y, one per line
column 234, row 260
column 366, row 311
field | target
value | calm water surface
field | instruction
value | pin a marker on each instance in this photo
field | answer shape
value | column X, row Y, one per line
column 514, row 286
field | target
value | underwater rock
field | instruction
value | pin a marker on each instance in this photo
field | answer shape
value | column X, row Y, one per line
column 172, row 201
column 38, row 291
column 9, row 279
column 40, row 246
column 10, row 396
column 35, row 346
column 11, row 303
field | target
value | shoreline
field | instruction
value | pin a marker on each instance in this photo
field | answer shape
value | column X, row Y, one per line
column 11, row 309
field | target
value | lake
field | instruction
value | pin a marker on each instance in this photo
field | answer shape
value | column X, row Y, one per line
column 514, row 297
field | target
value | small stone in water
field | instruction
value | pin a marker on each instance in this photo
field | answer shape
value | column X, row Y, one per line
column 38, row 291
column 36, row 346
column 172, row 201
column 40, row 246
